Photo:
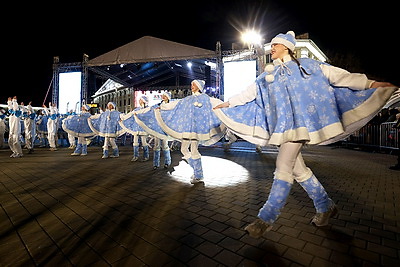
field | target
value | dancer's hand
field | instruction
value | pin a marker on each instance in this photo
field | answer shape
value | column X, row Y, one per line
column 222, row 105
column 381, row 84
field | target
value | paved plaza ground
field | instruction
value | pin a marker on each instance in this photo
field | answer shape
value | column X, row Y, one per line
column 59, row 210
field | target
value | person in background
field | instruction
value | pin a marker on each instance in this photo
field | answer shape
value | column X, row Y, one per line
column 3, row 127
column 14, row 125
column 146, row 119
column 28, row 115
column 297, row 102
column 162, row 143
column 77, row 126
column 139, row 133
column 192, row 121
column 106, row 124
column 71, row 137
column 129, row 124
column 52, row 124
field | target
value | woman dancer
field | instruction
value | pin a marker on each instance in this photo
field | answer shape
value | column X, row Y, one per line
column 160, row 142
column 28, row 116
column 14, row 127
column 296, row 102
column 129, row 124
column 192, row 121
column 146, row 119
column 78, row 126
column 52, row 124
column 106, row 125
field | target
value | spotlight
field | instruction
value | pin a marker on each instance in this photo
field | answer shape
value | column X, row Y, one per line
column 251, row 37
column 189, row 64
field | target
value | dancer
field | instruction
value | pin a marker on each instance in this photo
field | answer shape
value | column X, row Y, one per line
column 297, row 102
column 52, row 124
column 28, row 115
column 146, row 119
column 71, row 137
column 106, row 124
column 192, row 121
column 14, row 127
column 128, row 122
column 162, row 142
column 3, row 127
column 41, row 127
column 78, row 126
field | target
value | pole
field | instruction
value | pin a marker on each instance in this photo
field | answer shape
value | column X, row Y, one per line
column 44, row 100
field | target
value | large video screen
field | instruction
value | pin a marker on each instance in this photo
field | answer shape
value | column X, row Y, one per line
column 69, row 94
column 237, row 76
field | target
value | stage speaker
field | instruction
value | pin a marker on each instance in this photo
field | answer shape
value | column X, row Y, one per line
column 207, row 74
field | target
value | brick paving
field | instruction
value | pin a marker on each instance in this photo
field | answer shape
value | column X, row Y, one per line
column 59, row 210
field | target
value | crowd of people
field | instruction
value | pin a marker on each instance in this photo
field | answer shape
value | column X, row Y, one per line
column 294, row 102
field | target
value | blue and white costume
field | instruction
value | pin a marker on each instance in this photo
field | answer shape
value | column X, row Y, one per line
column 298, row 101
column 52, row 124
column 71, row 138
column 41, row 128
column 285, row 104
column 192, row 121
column 3, row 127
column 147, row 120
column 129, row 124
column 107, row 125
column 191, row 118
column 78, row 126
column 29, row 116
column 14, row 128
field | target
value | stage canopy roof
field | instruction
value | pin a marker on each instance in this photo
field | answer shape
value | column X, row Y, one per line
column 151, row 61
column 148, row 49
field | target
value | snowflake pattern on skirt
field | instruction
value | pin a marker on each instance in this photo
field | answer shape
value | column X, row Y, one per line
column 294, row 106
column 106, row 124
column 192, row 118
column 147, row 120
column 77, row 125
column 129, row 123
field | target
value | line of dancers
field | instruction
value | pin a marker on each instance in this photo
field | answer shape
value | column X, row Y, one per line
column 292, row 103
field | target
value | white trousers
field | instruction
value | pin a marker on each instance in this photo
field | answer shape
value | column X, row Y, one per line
column 28, row 125
column 193, row 152
column 160, row 144
column 290, row 165
column 14, row 143
column 109, row 141
column 136, row 140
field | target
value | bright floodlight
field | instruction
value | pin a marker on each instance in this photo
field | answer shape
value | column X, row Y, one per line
column 189, row 64
column 251, row 37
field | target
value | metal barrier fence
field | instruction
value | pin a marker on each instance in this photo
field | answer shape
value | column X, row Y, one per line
column 384, row 136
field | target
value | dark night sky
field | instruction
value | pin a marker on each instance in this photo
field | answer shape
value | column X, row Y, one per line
column 37, row 32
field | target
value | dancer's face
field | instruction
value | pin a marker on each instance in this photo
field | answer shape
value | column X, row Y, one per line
column 278, row 51
column 194, row 88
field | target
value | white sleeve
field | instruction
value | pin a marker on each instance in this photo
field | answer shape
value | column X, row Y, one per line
column 247, row 95
column 343, row 78
column 15, row 105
